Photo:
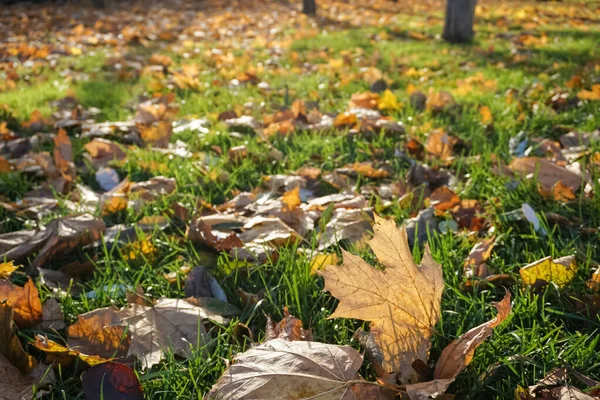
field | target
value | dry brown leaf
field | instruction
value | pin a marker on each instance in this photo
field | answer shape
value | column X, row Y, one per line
column 200, row 232
column 293, row 370
column 63, row 156
column 52, row 315
column 25, row 302
column 104, row 151
column 548, row 173
column 13, row 384
column 173, row 324
column 457, row 356
column 99, row 332
column 289, row 328
column 443, row 199
column 477, row 257
column 367, row 169
column 402, row 311
column 440, row 145
column 367, row 99
column 4, row 165
column 10, row 346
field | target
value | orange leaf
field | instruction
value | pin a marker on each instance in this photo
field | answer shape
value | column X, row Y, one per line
column 25, row 302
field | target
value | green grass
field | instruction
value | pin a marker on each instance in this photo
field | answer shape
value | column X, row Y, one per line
column 545, row 330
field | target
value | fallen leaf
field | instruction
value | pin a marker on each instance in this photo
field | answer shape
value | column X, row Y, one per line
column 10, row 346
column 593, row 94
column 25, row 302
column 477, row 257
column 13, row 384
column 173, row 324
column 458, row 355
column 4, row 166
column 443, row 199
column 486, row 115
column 62, row 355
column 388, row 101
column 289, row 328
column 291, row 370
column 291, row 199
column 402, row 312
column 200, row 283
column 104, row 151
column 547, row 173
column 320, row 261
column 200, row 232
column 111, row 380
column 440, row 145
column 367, row 100
column 6, row 269
column 63, row 157
column 100, row 332
column 52, row 315
column 560, row 271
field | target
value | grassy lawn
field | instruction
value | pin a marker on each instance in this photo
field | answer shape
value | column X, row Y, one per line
column 523, row 55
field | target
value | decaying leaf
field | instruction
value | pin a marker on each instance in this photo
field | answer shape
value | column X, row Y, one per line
column 200, row 232
column 547, row 173
column 13, row 384
column 292, row 370
column 25, row 302
column 173, row 324
column 10, row 346
column 560, row 271
column 100, row 332
column 111, row 380
column 58, row 354
column 475, row 262
column 457, row 355
column 289, row 328
column 402, row 310
column 52, row 315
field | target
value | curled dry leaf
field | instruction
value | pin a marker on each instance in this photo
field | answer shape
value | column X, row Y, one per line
column 200, row 232
column 402, row 311
column 475, row 263
column 25, row 302
column 104, row 151
column 13, row 384
column 293, row 370
column 443, row 199
column 10, row 346
column 560, row 271
column 457, row 355
column 111, row 380
column 289, row 328
column 63, row 355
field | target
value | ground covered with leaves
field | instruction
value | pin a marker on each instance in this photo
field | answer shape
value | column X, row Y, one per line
column 232, row 200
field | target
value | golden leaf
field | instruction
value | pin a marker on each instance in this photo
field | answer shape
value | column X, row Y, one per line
column 25, row 302
column 291, row 199
column 560, row 271
column 4, row 165
column 6, row 269
column 402, row 302
column 321, row 261
column 388, row 101
column 486, row 115
column 593, row 94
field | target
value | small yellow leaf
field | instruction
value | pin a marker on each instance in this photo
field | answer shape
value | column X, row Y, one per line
column 593, row 94
column 486, row 115
column 6, row 269
column 291, row 199
column 388, row 101
column 560, row 271
column 321, row 261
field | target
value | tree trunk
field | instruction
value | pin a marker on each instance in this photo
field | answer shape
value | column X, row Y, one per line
column 309, row 7
column 459, row 21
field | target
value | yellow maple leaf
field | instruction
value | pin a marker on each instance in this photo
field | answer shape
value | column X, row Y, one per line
column 388, row 101
column 402, row 303
column 560, row 271
column 486, row 115
column 291, row 199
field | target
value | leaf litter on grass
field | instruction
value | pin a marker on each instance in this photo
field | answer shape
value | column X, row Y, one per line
column 174, row 182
